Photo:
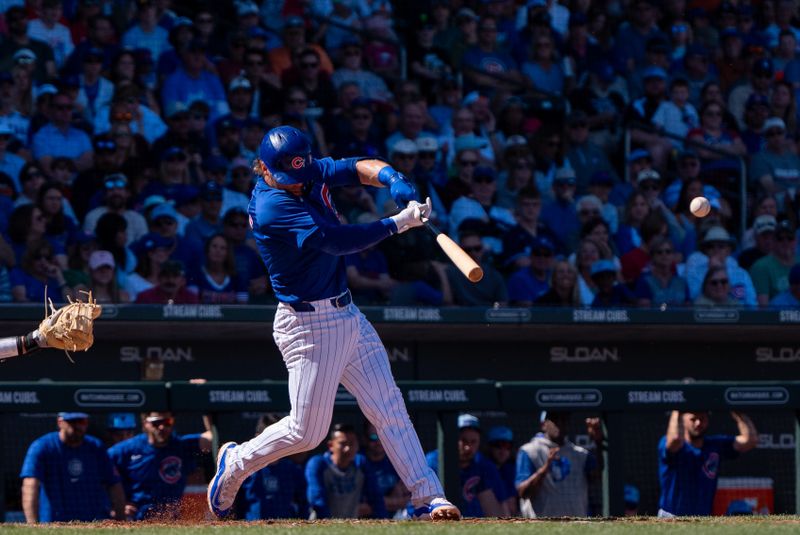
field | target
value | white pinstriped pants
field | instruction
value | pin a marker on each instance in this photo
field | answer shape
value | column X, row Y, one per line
column 322, row 349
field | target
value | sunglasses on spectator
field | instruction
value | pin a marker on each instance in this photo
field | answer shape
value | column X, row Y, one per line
column 362, row 116
column 542, row 252
column 256, row 62
column 713, row 113
column 116, row 183
column 164, row 222
column 468, row 163
column 33, row 173
column 205, row 20
column 309, row 65
column 177, row 158
column 63, row 107
column 158, row 422
column 589, row 212
column 718, row 282
column 298, row 101
column 353, row 52
column 43, row 256
column 483, row 179
column 501, row 445
column 125, row 116
column 774, row 133
column 93, row 59
column 427, row 155
column 649, row 186
column 473, row 248
column 105, row 145
column 662, row 251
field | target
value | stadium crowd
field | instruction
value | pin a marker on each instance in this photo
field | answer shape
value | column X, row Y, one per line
column 128, row 130
column 71, row 475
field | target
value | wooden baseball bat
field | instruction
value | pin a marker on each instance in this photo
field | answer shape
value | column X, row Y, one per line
column 460, row 258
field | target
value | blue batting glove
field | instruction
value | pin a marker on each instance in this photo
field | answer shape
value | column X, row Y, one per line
column 400, row 188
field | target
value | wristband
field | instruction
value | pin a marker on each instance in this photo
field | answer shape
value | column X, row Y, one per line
column 27, row 343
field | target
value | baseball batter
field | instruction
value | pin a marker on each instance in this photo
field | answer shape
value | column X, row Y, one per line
column 323, row 337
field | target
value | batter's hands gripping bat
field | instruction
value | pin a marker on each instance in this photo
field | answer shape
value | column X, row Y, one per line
column 460, row 258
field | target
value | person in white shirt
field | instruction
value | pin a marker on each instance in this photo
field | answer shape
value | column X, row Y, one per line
column 116, row 200
column 48, row 29
column 676, row 115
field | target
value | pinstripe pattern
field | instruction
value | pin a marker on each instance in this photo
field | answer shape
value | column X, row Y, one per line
column 320, row 350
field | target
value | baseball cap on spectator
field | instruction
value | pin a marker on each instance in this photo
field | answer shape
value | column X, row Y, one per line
column 45, row 89
column 121, row 421
column 516, row 141
column 172, row 267
column 73, row 415
column 468, row 421
column 601, row 178
column 589, row 201
column 240, row 82
column 784, row 228
column 24, row 56
column 774, row 122
column 466, row 13
column 603, row 266
column 427, row 144
column 186, row 195
column 648, row 174
column 756, row 99
column 763, row 67
column 638, row 154
column 246, row 8
column 152, row 240
column 172, row 152
column 5, row 129
column 468, row 142
column 764, row 223
column 153, row 200
column 211, row 191
column 499, row 433
column 294, row 22
column 654, row 71
column 794, row 275
column 404, row 146
column 565, row 175
column 163, row 210
column 717, row 234
column 471, row 98
column 215, row 163
column 101, row 258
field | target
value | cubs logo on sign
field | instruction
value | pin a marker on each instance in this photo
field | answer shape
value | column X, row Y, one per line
column 170, row 469
column 298, row 162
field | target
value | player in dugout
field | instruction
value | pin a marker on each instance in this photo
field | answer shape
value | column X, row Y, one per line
column 324, row 339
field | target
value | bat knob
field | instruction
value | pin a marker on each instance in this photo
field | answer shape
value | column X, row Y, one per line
column 475, row 274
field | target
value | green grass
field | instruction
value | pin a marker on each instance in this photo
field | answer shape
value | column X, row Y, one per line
column 736, row 526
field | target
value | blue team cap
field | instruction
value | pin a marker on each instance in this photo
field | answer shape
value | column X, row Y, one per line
column 638, row 154
column 121, row 420
column 500, row 433
column 73, row 415
column 654, row 72
column 468, row 421
column 286, row 152
column 603, row 266
column 163, row 210
column 150, row 241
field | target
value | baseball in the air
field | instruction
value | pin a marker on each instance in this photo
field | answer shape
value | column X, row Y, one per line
column 700, row 206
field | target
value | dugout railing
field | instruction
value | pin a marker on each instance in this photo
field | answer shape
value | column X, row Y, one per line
column 633, row 416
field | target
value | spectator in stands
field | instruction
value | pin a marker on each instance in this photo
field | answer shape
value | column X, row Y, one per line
column 67, row 476
column 764, row 234
column 677, row 115
column 775, row 170
column 553, row 474
column 112, row 235
column 180, row 133
column 411, row 125
column 756, row 112
column 306, row 73
column 209, row 221
column 689, row 461
column 584, row 156
column 60, row 138
column 216, row 281
column 10, row 163
column 759, row 82
column 500, row 442
column 154, row 466
column 770, row 274
column 360, row 136
column 394, row 492
column 560, row 215
column 103, row 282
column 265, row 82
column 636, row 211
column 491, row 289
column 60, row 225
column 688, row 163
column 518, row 241
column 295, row 107
column 120, row 426
column 116, row 196
column 276, row 491
column 527, row 284
column 127, row 108
column 95, row 91
column 100, row 36
column 600, row 186
column 152, row 250
column 610, row 292
column 544, row 73
column 193, row 81
column 482, row 487
column 17, row 39
column 713, row 133
column 340, row 485
column 587, row 253
column 789, row 298
column 294, row 40
column 637, row 258
column 783, row 104
column 26, row 225
column 164, row 220
column 641, row 112
column 146, row 32
column 371, row 86
column 480, row 211
column 171, row 287
column 38, row 269
column 715, row 250
column 48, row 29
column 504, row 73
column 517, row 177
column 763, row 205
column 659, row 286
column 715, row 290
column 368, row 273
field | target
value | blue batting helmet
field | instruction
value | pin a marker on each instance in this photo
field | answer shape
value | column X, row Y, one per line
column 286, row 152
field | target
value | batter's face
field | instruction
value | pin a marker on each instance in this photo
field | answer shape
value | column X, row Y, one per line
column 72, row 432
column 158, row 426
column 343, row 448
column 695, row 423
column 469, row 442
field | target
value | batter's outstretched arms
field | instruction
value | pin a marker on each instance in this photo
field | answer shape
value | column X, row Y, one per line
column 16, row 346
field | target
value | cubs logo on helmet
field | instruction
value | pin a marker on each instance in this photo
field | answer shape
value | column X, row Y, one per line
column 286, row 152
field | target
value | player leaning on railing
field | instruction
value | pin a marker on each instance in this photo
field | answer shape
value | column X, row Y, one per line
column 323, row 337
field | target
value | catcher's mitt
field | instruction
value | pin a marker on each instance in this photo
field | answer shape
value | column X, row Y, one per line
column 70, row 327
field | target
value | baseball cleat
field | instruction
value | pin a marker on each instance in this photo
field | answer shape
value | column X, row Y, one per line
column 222, row 489
column 437, row 509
